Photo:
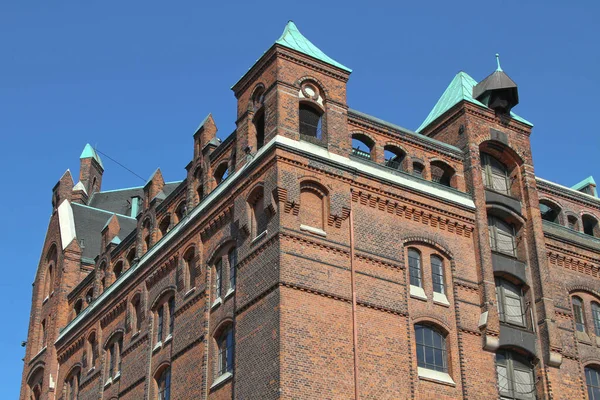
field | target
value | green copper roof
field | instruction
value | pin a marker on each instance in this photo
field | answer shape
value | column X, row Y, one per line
column 586, row 182
column 293, row 39
column 89, row 152
column 461, row 88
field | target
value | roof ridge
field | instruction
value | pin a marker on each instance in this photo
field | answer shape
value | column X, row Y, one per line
column 101, row 210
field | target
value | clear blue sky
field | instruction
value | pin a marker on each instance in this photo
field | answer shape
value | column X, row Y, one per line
column 134, row 78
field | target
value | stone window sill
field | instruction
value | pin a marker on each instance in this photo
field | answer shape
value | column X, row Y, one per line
column 229, row 293
column 45, row 300
column 221, row 380
column 441, row 299
column 315, row 231
column 157, row 347
column 168, row 338
column 583, row 337
column 91, row 370
column 108, row 383
column 218, row 301
column 117, row 377
column 189, row 292
column 135, row 335
column 259, row 236
column 436, row 376
column 417, row 293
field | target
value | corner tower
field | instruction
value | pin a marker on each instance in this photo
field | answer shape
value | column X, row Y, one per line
column 294, row 90
column 90, row 170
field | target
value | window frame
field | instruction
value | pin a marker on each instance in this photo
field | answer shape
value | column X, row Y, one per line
column 503, row 291
column 171, row 307
column 578, row 314
column 218, row 278
column 490, row 171
column 596, row 317
column 225, row 352
column 588, row 371
column 163, row 384
column 494, row 229
column 232, row 260
column 438, row 287
column 160, row 323
column 421, row 329
column 511, row 363
column 415, row 272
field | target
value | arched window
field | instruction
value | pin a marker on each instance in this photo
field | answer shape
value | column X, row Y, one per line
column 592, row 381
column 180, row 211
column 218, row 278
column 163, row 383
column 136, row 313
column 414, row 268
column 165, row 319
column 259, row 125
column 92, row 350
column 43, row 335
column 437, row 274
column 418, row 169
column 225, row 344
column 147, row 227
column 310, row 121
column 431, row 348
column 362, row 145
column 502, row 236
column 118, row 269
column 49, row 281
column 189, row 262
column 130, row 258
column 232, row 259
column 71, row 387
column 394, row 157
column 222, row 172
column 590, row 225
column 509, row 300
column 515, row 376
column 495, row 174
column 77, row 307
column 313, row 205
column 114, row 349
column 441, row 173
column 550, row 212
column 578, row 314
column 89, row 296
column 572, row 222
column 596, row 316
column 163, row 226
column 258, row 221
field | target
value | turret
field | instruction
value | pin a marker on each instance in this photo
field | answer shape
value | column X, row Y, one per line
column 90, row 170
column 497, row 91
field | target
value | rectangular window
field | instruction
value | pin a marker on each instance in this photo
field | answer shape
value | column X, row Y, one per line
column 578, row 314
column 502, row 236
column 232, row 264
column 495, row 175
column 120, row 348
column 414, row 266
column 509, row 300
column 225, row 357
column 159, row 330
column 171, row 315
column 218, row 277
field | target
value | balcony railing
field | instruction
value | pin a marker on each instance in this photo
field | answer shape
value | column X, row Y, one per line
column 360, row 153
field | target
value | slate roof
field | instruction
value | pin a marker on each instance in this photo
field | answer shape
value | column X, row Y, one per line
column 461, row 88
column 117, row 201
column 89, row 222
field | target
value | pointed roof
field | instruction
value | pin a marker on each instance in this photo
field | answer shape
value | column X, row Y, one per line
column 79, row 186
column 89, row 152
column 293, row 39
column 460, row 89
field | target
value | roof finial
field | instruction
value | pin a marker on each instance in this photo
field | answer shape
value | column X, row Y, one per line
column 498, row 62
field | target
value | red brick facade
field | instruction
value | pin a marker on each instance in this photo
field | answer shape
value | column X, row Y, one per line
column 240, row 286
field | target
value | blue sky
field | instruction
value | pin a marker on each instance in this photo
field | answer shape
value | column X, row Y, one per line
column 135, row 78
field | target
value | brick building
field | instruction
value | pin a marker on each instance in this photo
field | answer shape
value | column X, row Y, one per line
column 319, row 252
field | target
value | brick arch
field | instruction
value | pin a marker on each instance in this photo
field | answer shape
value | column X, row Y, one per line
column 37, row 367
column 432, row 320
column 218, row 248
column 159, row 369
column 113, row 334
column 591, row 361
column 190, row 246
column 74, row 367
column 220, row 326
column 502, row 152
column 52, row 253
column 442, row 248
column 163, row 293
column 252, row 192
column 590, row 214
column 316, row 82
column 550, row 200
column 506, row 214
column 361, row 135
column 574, row 289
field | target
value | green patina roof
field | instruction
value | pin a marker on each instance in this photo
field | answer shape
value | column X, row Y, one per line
column 461, row 88
column 89, row 152
column 586, row 182
column 293, row 39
